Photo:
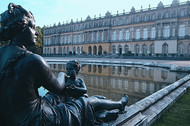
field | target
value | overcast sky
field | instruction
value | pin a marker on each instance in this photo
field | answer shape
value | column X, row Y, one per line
column 48, row 12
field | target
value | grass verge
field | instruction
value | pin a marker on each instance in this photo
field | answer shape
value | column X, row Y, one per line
column 178, row 114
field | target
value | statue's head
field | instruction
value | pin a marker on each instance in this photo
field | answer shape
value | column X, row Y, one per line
column 15, row 20
column 72, row 68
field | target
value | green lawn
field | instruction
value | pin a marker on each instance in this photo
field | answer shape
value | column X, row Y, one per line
column 178, row 114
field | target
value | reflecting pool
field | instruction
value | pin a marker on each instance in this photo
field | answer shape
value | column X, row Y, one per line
column 114, row 80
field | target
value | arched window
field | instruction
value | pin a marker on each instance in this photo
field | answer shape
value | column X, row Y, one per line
column 54, row 51
column 152, row 49
column 68, row 50
column 138, row 34
column 121, row 35
column 90, row 50
column 166, row 31
column 119, row 49
column 60, row 50
column 153, row 32
column 100, row 50
column 95, row 50
column 181, row 30
column 144, row 49
column 145, row 33
column 127, row 34
column 136, row 49
column 181, row 48
column 126, row 48
column 49, row 51
column 165, row 48
column 78, row 50
column 64, row 50
column 113, row 49
column 114, row 35
column 74, row 50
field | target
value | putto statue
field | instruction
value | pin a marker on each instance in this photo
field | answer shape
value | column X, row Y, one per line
column 22, row 73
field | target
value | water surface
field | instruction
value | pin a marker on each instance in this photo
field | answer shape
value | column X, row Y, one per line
column 114, row 80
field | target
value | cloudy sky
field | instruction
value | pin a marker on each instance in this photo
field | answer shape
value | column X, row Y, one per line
column 48, row 12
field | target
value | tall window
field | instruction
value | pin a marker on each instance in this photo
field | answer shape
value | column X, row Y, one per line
column 61, row 40
column 119, row 49
column 181, row 48
column 152, row 49
column 97, row 36
column 89, row 50
column 92, row 37
column 153, row 16
column 165, row 48
column 79, row 38
column 65, row 39
column 127, row 34
column 166, row 32
column 95, row 50
column 75, row 39
column 145, row 33
column 69, row 39
column 182, row 13
column 114, row 35
column 126, row 48
column 153, row 32
column 113, row 49
column 121, row 35
column 159, row 15
column 181, row 31
column 136, row 49
column 144, row 49
column 138, row 33
column 102, row 36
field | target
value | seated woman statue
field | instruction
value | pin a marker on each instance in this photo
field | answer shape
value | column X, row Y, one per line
column 22, row 73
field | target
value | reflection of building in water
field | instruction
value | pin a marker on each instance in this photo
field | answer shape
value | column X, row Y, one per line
column 113, row 81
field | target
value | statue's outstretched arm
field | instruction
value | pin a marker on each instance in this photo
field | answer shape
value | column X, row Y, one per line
column 45, row 77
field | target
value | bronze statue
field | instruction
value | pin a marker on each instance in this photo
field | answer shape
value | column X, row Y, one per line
column 22, row 73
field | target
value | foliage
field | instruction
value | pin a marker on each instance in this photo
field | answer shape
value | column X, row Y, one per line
column 39, row 42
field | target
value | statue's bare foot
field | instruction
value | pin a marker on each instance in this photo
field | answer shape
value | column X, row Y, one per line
column 124, row 101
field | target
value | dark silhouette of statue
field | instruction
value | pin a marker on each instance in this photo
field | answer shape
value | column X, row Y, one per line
column 22, row 73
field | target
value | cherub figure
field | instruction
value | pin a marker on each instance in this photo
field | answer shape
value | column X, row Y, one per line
column 75, row 85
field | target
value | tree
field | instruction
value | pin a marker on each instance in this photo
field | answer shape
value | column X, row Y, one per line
column 39, row 42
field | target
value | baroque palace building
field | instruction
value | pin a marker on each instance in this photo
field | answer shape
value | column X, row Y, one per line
column 162, row 30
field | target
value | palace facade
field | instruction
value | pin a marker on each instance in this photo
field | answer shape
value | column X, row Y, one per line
column 162, row 30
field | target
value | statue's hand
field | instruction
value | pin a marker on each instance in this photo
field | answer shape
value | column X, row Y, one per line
column 61, row 79
column 72, row 86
